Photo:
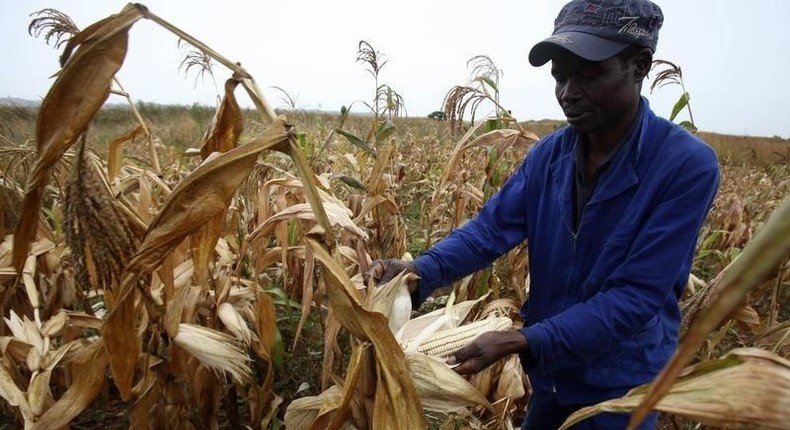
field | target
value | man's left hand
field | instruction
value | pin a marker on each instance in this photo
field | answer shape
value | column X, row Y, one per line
column 486, row 349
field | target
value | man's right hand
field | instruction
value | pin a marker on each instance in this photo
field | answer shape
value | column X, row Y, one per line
column 382, row 271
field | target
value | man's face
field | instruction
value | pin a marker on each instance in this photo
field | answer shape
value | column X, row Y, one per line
column 595, row 96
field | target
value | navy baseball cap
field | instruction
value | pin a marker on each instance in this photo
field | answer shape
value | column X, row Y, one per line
column 598, row 29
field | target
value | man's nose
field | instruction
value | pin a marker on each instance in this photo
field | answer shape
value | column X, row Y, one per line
column 570, row 91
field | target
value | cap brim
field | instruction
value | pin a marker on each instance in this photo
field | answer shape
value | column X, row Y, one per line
column 587, row 46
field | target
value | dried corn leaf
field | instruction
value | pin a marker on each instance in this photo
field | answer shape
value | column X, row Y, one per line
column 338, row 215
column 372, row 202
column 80, row 90
column 54, row 356
column 297, row 187
column 227, row 124
column 747, row 315
column 382, row 162
column 202, row 195
column 174, row 311
column 38, row 393
column 776, row 338
column 33, row 359
column 90, row 366
column 307, row 293
column 146, row 392
column 331, row 348
column 264, row 322
column 762, row 254
column 311, row 192
column 83, row 320
column 166, row 275
column 28, row 279
column 265, row 326
column 440, row 388
column 13, row 395
column 302, row 412
column 182, row 274
column 272, row 410
column 7, row 274
column 25, row 330
column 360, row 363
column 115, row 151
column 55, row 325
column 208, row 395
column 222, row 137
column 15, row 348
column 396, row 405
column 455, row 156
column 41, row 247
column 503, row 139
column 748, row 388
column 120, row 339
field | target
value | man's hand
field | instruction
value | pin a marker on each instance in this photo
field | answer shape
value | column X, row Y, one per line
column 486, row 349
column 382, row 271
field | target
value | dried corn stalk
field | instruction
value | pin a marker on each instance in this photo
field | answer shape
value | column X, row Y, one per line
column 395, row 401
column 748, row 388
column 765, row 252
column 80, row 90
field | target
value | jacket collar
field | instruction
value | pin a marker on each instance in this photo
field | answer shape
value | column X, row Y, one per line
column 618, row 178
column 621, row 175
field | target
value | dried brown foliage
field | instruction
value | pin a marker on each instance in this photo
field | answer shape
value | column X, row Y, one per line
column 174, row 277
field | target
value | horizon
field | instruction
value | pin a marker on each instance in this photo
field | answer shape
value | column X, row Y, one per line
column 278, row 110
column 723, row 63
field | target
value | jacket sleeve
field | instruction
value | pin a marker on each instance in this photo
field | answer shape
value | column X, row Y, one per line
column 638, row 288
column 499, row 226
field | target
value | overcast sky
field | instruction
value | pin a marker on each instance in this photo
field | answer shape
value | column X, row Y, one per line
column 733, row 53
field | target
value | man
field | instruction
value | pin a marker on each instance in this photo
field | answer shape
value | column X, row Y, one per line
column 610, row 206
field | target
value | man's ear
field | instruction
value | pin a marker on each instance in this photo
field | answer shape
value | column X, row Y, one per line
column 643, row 61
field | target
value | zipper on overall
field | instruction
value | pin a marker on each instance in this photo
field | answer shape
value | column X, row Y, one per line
column 574, row 240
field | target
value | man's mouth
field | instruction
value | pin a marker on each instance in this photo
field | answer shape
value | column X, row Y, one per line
column 574, row 116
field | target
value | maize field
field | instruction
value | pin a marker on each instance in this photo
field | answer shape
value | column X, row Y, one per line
column 193, row 268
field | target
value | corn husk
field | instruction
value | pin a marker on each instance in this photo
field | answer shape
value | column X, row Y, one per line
column 234, row 322
column 440, row 388
column 511, row 381
column 416, row 330
column 215, row 350
column 393, row 300
column 302, row 412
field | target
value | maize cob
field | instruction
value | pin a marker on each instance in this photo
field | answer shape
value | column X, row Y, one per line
column 446, row 342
